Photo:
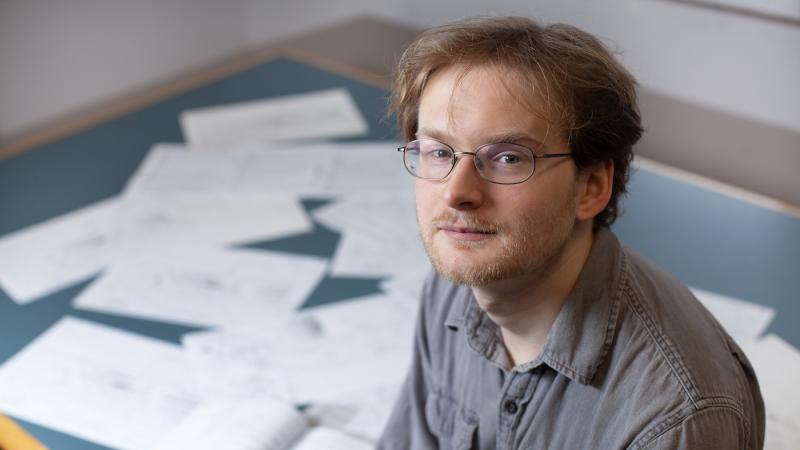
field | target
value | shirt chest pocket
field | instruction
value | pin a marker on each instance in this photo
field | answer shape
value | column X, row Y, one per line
column 453, row 426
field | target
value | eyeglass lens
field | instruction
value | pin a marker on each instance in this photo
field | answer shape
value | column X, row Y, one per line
column 498, row 163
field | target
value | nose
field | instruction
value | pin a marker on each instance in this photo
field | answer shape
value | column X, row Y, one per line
column 464, row 186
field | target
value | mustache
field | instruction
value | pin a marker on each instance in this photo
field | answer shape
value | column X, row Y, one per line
column 463, row 220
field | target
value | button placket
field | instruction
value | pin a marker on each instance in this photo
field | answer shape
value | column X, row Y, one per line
column 514, row 387
column 517, row 389
column 510, row 407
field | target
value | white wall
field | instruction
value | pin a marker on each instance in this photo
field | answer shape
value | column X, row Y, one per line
column 57, row 56
column 267, row 20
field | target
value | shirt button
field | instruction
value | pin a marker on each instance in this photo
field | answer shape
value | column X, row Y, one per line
column 510, row 407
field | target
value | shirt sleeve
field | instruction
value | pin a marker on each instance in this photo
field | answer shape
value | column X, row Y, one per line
column 715, row 427
column 407, row 427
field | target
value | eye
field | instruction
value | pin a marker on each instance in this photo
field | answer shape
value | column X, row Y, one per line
column 436, row 151
column 507, row 158
column 440, row 153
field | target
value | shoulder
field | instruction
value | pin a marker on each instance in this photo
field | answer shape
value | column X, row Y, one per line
column 702, row 378
column 710, row 427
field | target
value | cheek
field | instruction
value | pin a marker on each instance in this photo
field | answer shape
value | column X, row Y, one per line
column 426, row 195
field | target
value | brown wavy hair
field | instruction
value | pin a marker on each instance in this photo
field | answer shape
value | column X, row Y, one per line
column 566, row 75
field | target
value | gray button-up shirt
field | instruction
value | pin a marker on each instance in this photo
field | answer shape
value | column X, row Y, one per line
column 632, row 361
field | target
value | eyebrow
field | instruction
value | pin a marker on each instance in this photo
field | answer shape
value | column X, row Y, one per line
column 501, row 136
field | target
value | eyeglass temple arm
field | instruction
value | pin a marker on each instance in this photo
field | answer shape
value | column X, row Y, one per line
column 552, row 155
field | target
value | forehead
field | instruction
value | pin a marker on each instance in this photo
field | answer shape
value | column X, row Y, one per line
column 470, row 104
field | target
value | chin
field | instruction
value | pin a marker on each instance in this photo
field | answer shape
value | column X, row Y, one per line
column 461, row 267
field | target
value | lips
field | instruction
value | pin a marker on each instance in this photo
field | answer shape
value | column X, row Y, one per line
column 466, row 233
column 455, row 229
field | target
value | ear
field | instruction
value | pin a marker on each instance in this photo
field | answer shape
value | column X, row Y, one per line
column 596, row 186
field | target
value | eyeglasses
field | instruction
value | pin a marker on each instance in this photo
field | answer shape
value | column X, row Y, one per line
column 500, row 163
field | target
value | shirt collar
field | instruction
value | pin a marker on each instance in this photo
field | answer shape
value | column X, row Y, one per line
column 582, row 333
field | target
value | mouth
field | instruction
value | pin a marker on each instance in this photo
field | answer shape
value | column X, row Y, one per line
column 466, row 233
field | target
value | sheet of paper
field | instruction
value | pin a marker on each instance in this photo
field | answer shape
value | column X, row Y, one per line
column 744, row 321
column 171, row 168
column 117, row 389
column 312, row 170
column 407, row 282
column 236, row 289
column 241, row 424
column 324, row 170
column 320, row 114
column 377, row 213
column 226, row 218
column 361, row 167
column 361, row 255
column 41, row 259
column 329, row 439
column 777, row 366
column 363, row 413
column 335, row 348
column 379, row 234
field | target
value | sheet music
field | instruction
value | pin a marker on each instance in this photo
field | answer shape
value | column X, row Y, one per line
column 241, row 424
column 377, row 213
column 363, row 167
column 777, row 366
column 321, row 114
column 341, row 347
column 379, row 234
column 38, row 260
column 311, row 170
column 170, row 168
column 111, row 387
column 363, row 413
column 744, row 321
column 238, row 289
column 41, row 259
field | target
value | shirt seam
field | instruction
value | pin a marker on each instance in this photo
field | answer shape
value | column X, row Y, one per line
column 681, row 416
column 664, row 346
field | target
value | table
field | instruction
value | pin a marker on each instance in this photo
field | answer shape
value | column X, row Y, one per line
column 706, row 237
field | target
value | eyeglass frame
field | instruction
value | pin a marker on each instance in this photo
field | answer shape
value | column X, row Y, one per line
column 457, row 156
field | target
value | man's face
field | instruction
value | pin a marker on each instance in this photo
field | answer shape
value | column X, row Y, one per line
column 477, row 232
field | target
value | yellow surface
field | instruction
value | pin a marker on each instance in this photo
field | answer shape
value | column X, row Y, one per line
column 13, row 437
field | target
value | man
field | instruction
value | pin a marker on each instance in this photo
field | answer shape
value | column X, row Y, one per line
column 538, row 330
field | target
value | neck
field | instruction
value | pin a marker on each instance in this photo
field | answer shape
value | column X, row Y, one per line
column 525, row 307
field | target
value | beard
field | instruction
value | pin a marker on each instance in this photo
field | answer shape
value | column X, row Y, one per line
column 528, row 244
